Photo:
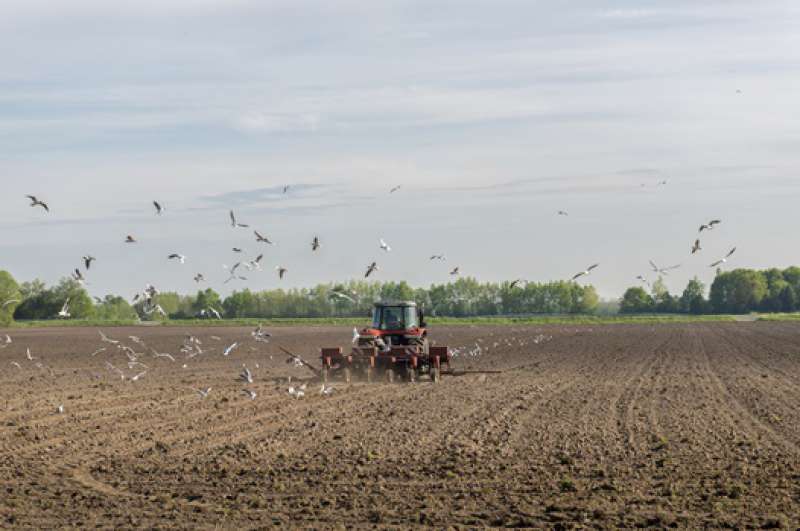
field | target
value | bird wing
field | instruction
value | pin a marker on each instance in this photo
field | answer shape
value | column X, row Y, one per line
column 593, row 266
column 653, row 265
column 730, row 252
column 578, row 275
column 715, row 264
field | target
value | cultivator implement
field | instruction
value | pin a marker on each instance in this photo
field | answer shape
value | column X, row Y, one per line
column 409, row 362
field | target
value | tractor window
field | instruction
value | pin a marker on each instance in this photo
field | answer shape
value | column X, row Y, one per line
column 411, row 317
column 394, row 318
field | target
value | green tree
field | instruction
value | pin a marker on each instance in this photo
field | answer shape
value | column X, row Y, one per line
column 693, row 299
column 636, row 300
column 114, row 308
column 206, row 299
column 738, row 291
column 10, row 298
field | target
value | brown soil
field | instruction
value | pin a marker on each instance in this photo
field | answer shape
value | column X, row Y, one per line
column 669, row 425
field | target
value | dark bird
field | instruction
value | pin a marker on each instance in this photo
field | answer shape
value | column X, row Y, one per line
column 87, row 261
column 199, row 277
column 710, row 225
column 371, row 269
column 179, row 257
column 159, row 208
column 281, row 271
column 35, row 202
column 237, row 250
column 562, row 213
column 285, row 188
column 396, row 188
column 725, row 259
column 437, row 257
column 235, row 223
column 78, row 276
column 696, row 247
column 260, row 238
column 130, row 239
column 586, row 272
column 515, row 283
column 455, row 271
column 315, row 243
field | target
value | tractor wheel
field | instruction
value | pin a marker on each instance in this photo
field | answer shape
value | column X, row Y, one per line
column 436, row 375
column 390, row 375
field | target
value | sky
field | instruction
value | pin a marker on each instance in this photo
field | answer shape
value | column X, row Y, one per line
column 491, row 116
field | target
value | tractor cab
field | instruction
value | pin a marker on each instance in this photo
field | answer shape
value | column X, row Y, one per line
column 396, row 316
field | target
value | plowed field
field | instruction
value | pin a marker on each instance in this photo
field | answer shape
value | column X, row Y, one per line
column 688, row 425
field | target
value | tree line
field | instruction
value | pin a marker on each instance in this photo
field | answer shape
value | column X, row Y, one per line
column 462, row 298
column 732, row 292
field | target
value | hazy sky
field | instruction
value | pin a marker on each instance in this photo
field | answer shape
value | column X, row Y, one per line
column 491, row 115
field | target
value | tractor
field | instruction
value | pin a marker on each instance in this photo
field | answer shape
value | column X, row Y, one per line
column 395, row 345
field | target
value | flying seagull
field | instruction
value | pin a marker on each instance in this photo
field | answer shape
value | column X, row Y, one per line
column 586, row 272
column 159, row 208
column 455, row 271
column 87, row 261
column 199, row 278
column 396, row 188
column 64, row 313
column 515, row 283
column 710, row 225
column 234, row 223
column 35, row 202
column 437, row 257
column 385, row 246
column 230, row 349
column 371, row 269
column 260, row 238
column 249, row 392
column 662, row 270
column 179, row 257
column 563, row 213
column 696, row 247
column 78, row 276
column 285, row 188
column 246, row 376
column 644, row 280
column 725, row 259
column 130, row 239
column 9, row 302
column 281, row 271
column 203, row 392
column 315, row 243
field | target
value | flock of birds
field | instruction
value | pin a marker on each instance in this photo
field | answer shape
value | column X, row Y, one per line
column 235, row 272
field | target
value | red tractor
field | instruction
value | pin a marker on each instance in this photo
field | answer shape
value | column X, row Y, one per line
column 395, row 345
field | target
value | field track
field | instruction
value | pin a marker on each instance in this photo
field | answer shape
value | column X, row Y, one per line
column 623, row 425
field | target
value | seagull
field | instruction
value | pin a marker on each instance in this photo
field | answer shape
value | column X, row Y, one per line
column 98, row 351
column 299, row 392
column 586, row 272
column 64, row 313
column 285, row 188
column 199, row 278
column 215, row 313
column 234, row 223
column 238, row 250
column 260, row 238
column 203, row 392
column 60, row 408
column 246, row 375
column 340, row 295
column 325, row 390
column 136, row 378
column 710, row 225
column 281, row 271
column 563, row 213
column 696, row 247
column 371, row 269
column 6, row 342
column 662, row 270
column 725, row 259
column 179, row 257
column 315, row 243
column 159, row 208
column 17, row 365
column 437, row 257
column 640, row 277
column 87, row 261
column 105, row 339
column 35, row 202
column 130, row 239
column 455, row 271
column 516, row 282
column 230, row 348
column 249, row 392
column 385, row 246
column 9, row 302
column 396, row 188
column 78, row 276
column 28, row 354
column 356, row 335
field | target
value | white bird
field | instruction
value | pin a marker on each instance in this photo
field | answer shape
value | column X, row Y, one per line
column 585, row 272
column 136, row 378
column 64, row 313
column 60, row 408
column 235, row 223
column 215, row 313
column 105, row 339
column 230, row 349
column 28, row 354
column 17, row 365
column 98, row 351
column 325, row 390
column 246, row 375
column 662, row 270
column 725, row 259
column 356, row 335
column 261, row 238
column 6, row 342
column 203, row 392
column 249, row 392
column 385, row 246
column 437, row 257
column 176, row 256
column 9, row 302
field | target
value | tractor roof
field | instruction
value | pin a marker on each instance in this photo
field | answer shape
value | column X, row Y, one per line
column 395, row 303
